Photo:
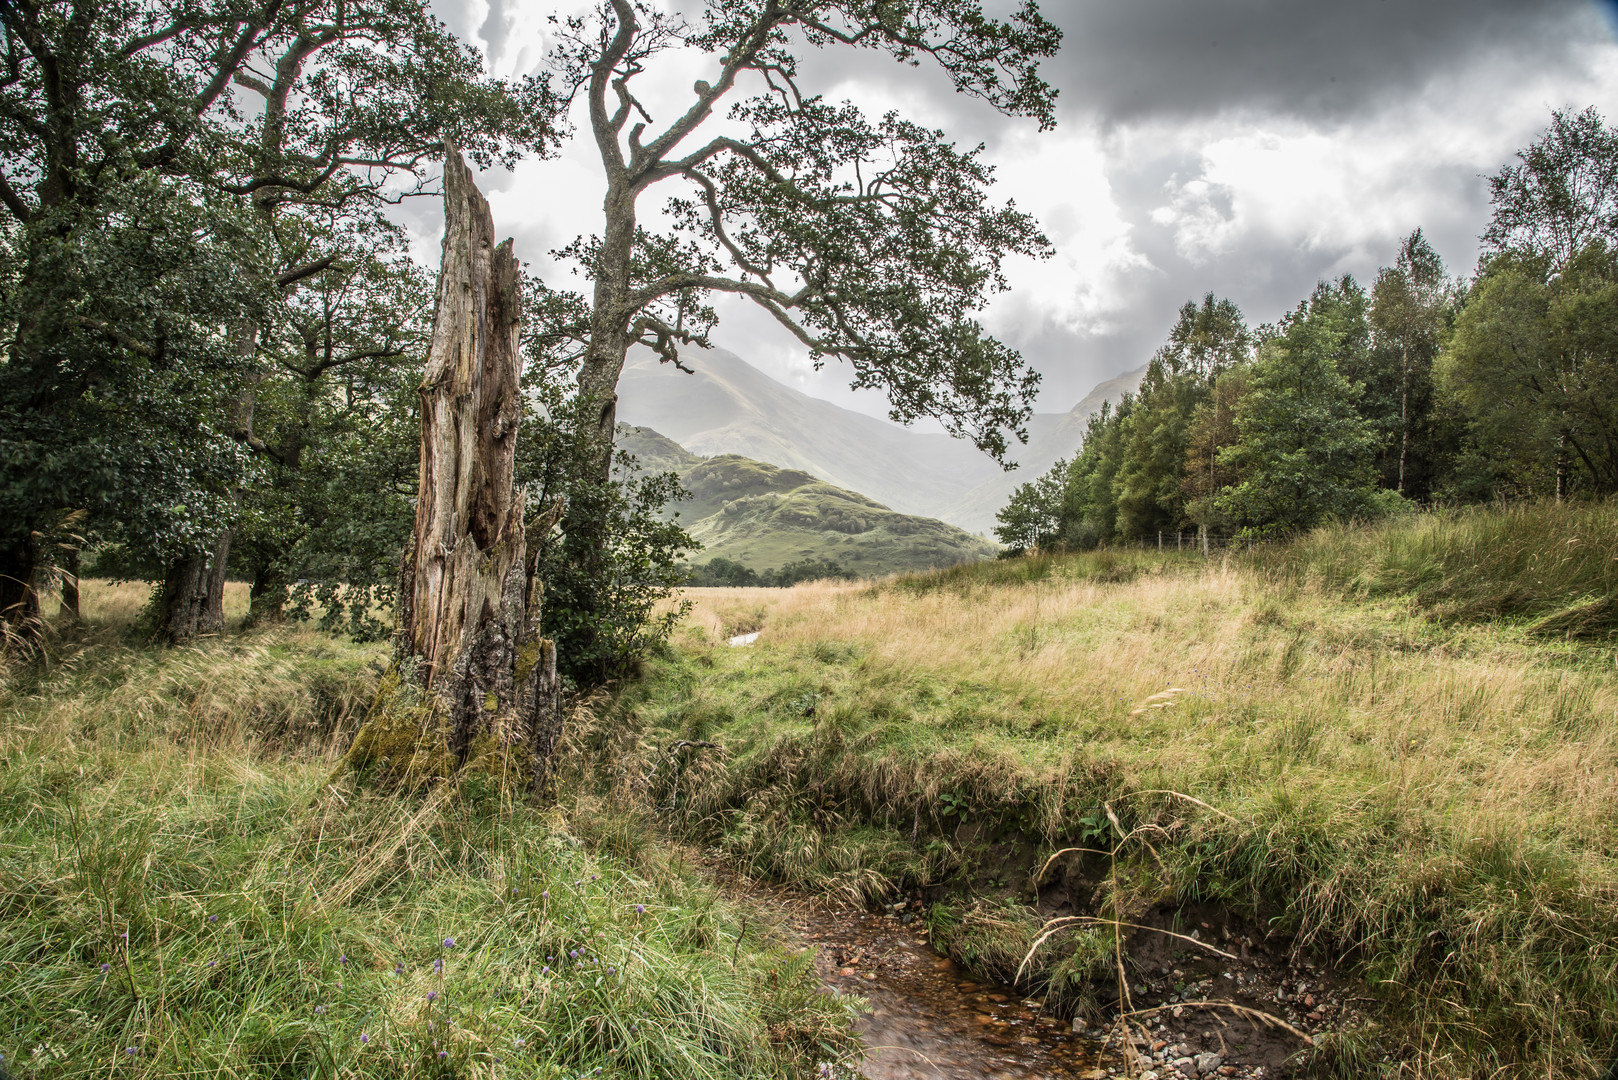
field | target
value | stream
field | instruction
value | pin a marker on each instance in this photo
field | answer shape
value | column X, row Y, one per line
column 930, row 1019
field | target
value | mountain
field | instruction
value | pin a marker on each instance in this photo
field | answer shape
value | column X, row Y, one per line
column 731, row 407
column 764, row 516
column 1051, row 437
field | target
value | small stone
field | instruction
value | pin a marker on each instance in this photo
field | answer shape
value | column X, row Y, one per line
column 1207, row 1063
column 1228, row 1070
column 1158, row 1045
column 1079, row 1025
column 1309, row 1000
column 1186, row 1066
column 846, row 972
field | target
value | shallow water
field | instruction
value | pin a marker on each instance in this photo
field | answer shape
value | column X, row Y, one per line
column 929, row 1019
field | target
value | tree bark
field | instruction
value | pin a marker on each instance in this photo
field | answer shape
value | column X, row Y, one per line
column 70, row 584
column 474, row 683
column 190, row 602
column 19, row 600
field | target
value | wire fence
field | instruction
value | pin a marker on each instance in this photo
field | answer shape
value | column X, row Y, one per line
column 1198, row 542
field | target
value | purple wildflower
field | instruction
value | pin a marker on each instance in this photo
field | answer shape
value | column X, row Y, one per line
column 640, row 909
column 320, row 1010
column 443, row 1053
column 213, row 918
column 343, row 959
column 364, row 1038
column 213, row 963
column 432, row 995
column 518, row 1043
column 398, row 969
column 546, row 895
column 438, row 967
column 449, row 943
column 106, row 967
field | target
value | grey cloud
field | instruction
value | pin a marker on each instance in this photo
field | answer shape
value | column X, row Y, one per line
column 1161, row 58
column 496, row 30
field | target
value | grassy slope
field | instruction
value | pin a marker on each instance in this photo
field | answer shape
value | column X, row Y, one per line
column 1412, row 752
column 763, row 516
column 185, row 892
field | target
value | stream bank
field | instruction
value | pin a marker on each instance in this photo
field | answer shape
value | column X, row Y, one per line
column 932, row 1018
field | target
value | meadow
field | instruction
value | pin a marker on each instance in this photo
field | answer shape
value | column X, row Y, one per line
column 1394, row 745
column 1389, row 748
column 190, row 887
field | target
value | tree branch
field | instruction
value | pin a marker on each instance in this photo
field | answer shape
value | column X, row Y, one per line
column 13, row 201
column 307, row 270
column 114, row 334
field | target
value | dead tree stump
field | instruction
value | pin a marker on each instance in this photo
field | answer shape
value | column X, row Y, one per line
column 474, row 683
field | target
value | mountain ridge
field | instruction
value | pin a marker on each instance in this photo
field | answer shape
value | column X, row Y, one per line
column 731, row 407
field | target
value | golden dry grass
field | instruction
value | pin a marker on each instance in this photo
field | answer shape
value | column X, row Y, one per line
column 1484, row 719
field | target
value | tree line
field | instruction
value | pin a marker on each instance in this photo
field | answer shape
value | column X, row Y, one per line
column 212, row 331
column 1424, row 389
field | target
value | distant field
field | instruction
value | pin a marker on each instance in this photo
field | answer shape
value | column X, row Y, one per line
column 1402, row 740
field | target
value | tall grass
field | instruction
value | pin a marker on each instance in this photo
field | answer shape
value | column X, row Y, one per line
column 1555, row 566
column 187, row 890
column 1430, row 803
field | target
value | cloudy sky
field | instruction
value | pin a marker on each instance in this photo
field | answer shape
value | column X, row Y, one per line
column 1248, row 147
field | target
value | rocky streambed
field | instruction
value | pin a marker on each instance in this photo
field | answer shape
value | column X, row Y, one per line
column 931, row 1019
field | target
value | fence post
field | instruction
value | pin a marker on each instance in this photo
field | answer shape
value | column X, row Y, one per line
column 1160, row 539
column 1179, row 540
column 1203, row 529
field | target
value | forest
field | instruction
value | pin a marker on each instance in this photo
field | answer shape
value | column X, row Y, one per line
column 1425, row 390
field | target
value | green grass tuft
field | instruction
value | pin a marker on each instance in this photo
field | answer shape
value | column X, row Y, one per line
column 184, row 891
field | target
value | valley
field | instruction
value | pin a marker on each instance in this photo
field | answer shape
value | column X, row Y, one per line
column 765, row 517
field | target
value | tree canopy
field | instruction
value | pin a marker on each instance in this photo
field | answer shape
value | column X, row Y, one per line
column 870, row 239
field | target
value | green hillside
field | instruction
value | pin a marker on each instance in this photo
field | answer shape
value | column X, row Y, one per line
column 763, row 516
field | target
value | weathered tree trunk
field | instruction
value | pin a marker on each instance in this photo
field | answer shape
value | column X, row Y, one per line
column 70, row 584
column 19, row 600
column 474, row 684
column 191, row 600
